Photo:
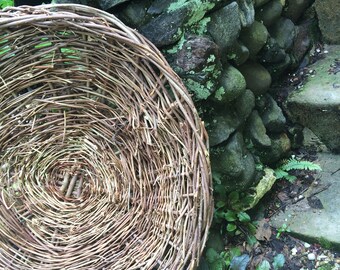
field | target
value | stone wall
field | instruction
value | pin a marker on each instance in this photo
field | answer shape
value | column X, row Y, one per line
column 228, row 53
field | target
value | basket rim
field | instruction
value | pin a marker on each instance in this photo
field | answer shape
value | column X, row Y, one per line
column 12, row 18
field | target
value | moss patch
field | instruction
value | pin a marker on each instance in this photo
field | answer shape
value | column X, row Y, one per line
column 197, row 8
column 199, row 90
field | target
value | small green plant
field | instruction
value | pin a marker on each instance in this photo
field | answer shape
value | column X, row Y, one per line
column 278, row 263
column 326, row 267
column 264, row 265
column 218, row 261
column 6, row 3
column 284, row 228
column 237, row 221
column 293, row 164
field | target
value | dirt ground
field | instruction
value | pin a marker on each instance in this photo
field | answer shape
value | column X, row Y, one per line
column 297, row 254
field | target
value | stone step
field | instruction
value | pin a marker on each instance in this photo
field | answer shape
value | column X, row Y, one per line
column 316, row 219
column 316, row 105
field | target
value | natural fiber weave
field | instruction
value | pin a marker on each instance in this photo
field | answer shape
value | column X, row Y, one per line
column 103, row 157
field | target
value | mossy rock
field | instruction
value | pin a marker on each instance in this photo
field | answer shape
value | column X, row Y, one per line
column 254, row 37
column 220, row 124
column 280, row 147
column 269, row 13
column 225, row 25
column 258, row 79
column 284, row 32
column 256, row 131
column 232, row 165
column 245, row 104
column 232, row 85
column 238, row 53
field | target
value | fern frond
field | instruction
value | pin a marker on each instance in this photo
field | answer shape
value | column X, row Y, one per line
column 291, row 178
column 294, row 164
column 279, row 173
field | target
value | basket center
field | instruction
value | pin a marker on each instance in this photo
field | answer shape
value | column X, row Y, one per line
column 71, row 183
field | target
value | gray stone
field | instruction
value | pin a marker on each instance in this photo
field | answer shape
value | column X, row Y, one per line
column 317, row 225
column 269, row 13
column 258, row 3
column 271, row 53
column 195, row 54
column 225, row 25
column 107, row 4
column 311, row 141
column 247, row 12
column 158, row 6
column 283, row 30
column 238, row 53
column 272, row 116
column 245, row 104
column 258, row 79
column 232, row 85
column 280, row 147
column 295, row 8
column 166, row 28
column 197, row 62
column 302, row 43
column 134, row 14
column 92, row 3
column 317, row 104
column 256, row 131
column 220, row 124
column 254, row 37
column 329, row 18
column 233, row 165
column 248, row 175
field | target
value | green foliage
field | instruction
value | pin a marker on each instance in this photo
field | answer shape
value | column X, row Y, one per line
column 234, row 221
column 231, row 227
column 294, row 164
column 284, row 228
column 264, row 265
column 325, row 267
column 240, row 262
column 278, row 263
column 220, row 261
column 243, row 217
column 6, row 3
column 285, row 175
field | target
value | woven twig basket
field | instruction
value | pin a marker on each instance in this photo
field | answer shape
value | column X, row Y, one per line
column 103, row 157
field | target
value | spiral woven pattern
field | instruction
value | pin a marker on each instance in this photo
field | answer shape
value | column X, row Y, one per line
column 103, row 157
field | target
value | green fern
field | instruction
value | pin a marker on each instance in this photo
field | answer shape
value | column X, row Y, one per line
column 294, row 164
column 279, row 173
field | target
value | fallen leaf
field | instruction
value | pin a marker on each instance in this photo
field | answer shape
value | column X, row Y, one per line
column 263, row 231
